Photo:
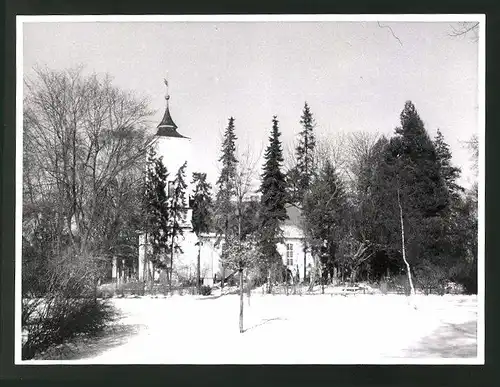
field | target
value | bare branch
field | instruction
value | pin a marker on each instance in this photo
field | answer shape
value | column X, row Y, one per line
column 392, row 32
column 462, row 29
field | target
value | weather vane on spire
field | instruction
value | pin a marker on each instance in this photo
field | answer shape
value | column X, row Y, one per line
column 167, row 97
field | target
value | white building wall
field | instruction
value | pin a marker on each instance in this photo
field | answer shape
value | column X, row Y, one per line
column 174, row 152
column 185, row 263
column 210, row 260
column 297, row 256
column 293, row 235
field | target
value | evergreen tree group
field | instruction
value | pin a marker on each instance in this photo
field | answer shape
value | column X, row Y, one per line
column 403, row 213
column 165, row 209
column 415, row 172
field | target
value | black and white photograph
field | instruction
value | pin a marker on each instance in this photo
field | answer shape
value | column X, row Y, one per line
column 250, row 189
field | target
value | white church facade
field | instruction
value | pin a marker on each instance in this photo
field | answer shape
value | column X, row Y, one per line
column 175, row 150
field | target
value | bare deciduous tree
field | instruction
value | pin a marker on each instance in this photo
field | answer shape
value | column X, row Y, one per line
column 85, row 145
column 245, row 180
column 241, row 256
column 359, row 151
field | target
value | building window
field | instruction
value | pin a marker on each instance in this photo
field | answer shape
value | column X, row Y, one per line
column 289, row 254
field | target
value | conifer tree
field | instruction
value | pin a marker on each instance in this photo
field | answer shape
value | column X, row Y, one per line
column 156, row 210
column 324, row 212
column 305, row 153
column 414, row 191
column 300, row 177
column 449, row 172
column 202, row 207
column 226, row 192
column 273, row 201
column 419, row 163
column 177, row 211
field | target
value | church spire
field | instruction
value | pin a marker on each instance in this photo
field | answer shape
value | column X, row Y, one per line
column 167, row 126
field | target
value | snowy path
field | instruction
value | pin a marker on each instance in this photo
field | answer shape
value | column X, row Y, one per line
column 318, row 329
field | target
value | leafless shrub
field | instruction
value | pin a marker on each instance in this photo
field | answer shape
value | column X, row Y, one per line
column 69, row 306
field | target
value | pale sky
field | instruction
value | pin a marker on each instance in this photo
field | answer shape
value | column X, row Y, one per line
column 355, row 75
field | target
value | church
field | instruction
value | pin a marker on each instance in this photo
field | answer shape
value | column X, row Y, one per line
column 176, row 149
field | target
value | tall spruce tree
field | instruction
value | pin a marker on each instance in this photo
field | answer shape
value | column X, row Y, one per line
column 226, row 192
column 177, row 211
column 157, row 215
column 273, row 202
column 449, row 172
column 418, row 164
column 301, row 175
column 305, row 153
column 202, row 209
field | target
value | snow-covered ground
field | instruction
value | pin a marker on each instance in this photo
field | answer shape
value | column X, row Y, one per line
column 280, row 329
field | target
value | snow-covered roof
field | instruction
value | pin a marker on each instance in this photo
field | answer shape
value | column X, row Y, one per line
column 294, row 216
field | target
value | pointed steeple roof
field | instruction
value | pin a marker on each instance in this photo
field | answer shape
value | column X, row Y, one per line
column 167, row 126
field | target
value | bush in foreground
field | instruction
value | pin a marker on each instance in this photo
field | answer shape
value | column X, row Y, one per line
column 52, row 321
column 205, row 290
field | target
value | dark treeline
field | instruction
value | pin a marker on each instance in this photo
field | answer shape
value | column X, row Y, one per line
column 400, row 203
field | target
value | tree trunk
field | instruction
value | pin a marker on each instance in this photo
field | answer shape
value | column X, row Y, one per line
column 249, row 288
column 286, row 281
column 241, row 301
column 222, row 277
column 408, row 270
column 305, row 260
column 313, row 274
column 198, row 270
column 171, row 266
column 353, row 276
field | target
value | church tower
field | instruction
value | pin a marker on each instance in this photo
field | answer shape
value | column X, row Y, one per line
column 175, row 150
column 173, row 147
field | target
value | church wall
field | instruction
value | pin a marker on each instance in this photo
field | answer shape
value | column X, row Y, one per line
column 174, row 152
column 297, row 255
